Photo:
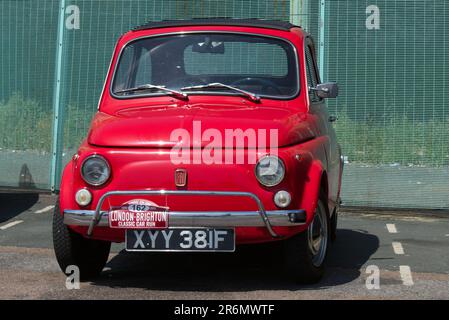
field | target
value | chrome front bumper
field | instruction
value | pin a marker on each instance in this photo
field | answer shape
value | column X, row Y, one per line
column 259, row 218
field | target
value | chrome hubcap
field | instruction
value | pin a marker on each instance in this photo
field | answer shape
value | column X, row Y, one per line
column 317, row 235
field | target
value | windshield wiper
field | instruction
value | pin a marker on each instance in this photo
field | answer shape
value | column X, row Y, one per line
column 174, row 93
column 252, row 96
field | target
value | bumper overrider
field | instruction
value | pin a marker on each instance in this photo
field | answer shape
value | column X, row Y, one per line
column 257, row 218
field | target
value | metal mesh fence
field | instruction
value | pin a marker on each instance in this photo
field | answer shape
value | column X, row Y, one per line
column 27, row 60
column 393, row 113
column 393, row 119
column 89, row 48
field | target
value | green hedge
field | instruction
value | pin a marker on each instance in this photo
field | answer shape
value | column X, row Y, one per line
column 26, row 125
column 397, row 140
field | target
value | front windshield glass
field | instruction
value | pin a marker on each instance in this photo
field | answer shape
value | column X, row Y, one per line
column 261, row 65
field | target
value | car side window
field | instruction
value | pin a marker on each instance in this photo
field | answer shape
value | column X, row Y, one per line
column 312, row 79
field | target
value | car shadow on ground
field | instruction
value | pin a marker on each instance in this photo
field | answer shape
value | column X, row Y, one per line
column 255, row 267
column 13, row 204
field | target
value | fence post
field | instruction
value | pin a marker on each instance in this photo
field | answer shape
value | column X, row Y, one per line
column 57, row 107
column 322, row 33
column 296, row 12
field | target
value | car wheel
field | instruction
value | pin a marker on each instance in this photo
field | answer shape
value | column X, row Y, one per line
column 306, row 252
column 90, row 256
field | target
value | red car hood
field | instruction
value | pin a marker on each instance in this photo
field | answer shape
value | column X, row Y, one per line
column 153, row 126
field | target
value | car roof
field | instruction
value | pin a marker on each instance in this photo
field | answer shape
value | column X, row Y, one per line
column 259, row 23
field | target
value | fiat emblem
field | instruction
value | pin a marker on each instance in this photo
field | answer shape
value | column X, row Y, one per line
column 181, row 177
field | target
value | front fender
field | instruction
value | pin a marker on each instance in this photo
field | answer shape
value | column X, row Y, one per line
column 311, row 189
column 66, row 194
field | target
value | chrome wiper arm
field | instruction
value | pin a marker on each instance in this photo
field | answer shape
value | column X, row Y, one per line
column 252, row 96
column 175, row 93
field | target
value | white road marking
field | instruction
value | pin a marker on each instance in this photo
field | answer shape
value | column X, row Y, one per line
column 47, row 208
column 391, row 228
column 11, row 224
column 406, row 275
column 397, row 248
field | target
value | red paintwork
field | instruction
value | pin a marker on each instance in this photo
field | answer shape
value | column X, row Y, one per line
column 133, row 135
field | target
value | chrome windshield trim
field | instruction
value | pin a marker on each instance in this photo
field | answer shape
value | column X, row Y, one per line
column 298, row 78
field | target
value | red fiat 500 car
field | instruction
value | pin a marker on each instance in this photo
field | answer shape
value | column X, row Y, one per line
column 210, row 133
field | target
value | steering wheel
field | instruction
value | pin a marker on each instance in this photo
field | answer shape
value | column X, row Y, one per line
column 263, row 82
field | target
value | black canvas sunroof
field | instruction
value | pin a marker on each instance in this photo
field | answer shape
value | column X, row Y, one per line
column 260, row 23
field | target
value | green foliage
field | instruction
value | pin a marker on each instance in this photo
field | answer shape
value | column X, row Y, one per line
column 76, row 125
column 27, row 125
column 24, row 124
column 396, row 140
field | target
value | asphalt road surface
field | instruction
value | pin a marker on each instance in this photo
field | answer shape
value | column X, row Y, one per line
column 411, row 254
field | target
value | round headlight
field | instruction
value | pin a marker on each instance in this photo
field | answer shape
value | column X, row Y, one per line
column 95, row 170
column 270, row 171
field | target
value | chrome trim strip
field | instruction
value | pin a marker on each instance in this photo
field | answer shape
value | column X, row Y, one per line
column 261, row 212
column 278, row 218
column 282, row 98
column 103, row 90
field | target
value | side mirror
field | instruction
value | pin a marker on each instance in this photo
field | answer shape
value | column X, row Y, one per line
column 326, row 90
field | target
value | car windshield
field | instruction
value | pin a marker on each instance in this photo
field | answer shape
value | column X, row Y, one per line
column 194, row 63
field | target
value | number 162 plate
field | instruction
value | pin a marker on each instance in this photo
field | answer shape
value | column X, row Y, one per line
column 177, row 239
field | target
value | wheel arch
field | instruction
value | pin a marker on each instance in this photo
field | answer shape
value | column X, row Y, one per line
column 315, row 185
column 66, row 198
column 324, row 193
column 324, row 186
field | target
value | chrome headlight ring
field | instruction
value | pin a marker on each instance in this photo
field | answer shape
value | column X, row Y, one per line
column 270, row 170
column 95, row 170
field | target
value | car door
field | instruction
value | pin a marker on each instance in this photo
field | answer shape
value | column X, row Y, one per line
column 324, row 123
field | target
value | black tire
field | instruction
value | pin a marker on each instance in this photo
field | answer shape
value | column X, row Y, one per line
column 300, row 263
column 334, row 222
column 90, row 256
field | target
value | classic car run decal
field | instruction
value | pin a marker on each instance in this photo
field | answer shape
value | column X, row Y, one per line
column 139, row 214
